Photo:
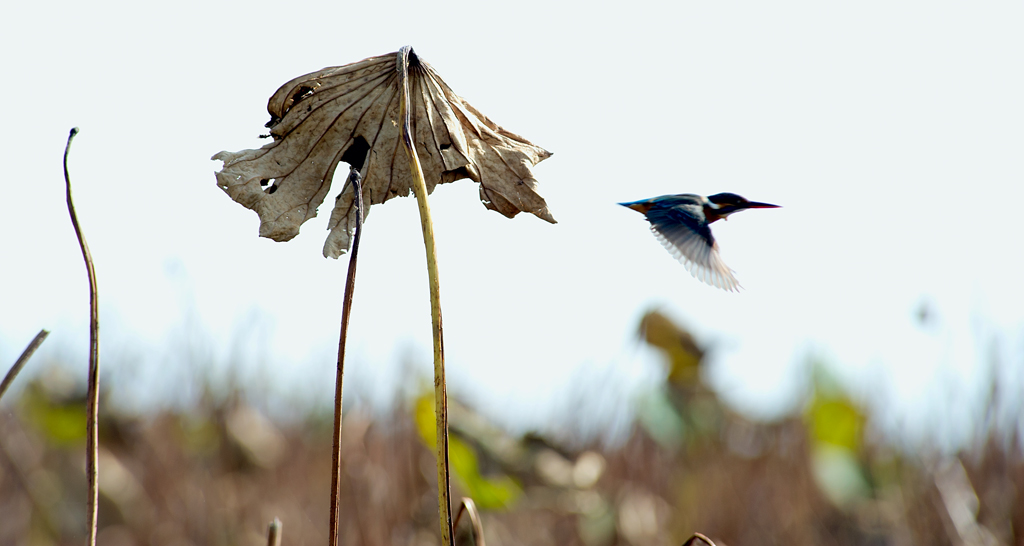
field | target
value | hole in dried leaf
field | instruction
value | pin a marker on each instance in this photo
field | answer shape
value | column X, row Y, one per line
column 264, row 182
column 355, row 155
column 445, row 147
column 272, row 182
column 301, row 93
column 272, row 189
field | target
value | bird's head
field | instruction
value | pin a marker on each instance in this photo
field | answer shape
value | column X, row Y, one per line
column 721, row 205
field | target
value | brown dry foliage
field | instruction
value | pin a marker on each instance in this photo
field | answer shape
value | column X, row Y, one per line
column 186, row 479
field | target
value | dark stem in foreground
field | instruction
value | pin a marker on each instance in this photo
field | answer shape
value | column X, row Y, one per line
column 20, row 363
column 346, row 310
column 93, row 404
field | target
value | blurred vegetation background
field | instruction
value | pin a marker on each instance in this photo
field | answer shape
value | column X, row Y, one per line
column 216, row 471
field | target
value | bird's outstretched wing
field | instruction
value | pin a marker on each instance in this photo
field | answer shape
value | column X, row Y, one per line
column 684, row 234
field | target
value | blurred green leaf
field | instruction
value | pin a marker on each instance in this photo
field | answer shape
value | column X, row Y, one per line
column 488, row 492
column 423, row 414
column 661, row 419
column 832, row 416
column 198, row 434
column 839, row 474
column 835, row 423
column 597, row 526
column 61, row 422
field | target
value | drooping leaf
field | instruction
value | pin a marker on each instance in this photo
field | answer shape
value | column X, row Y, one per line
column 684, row 354
column 351, row 113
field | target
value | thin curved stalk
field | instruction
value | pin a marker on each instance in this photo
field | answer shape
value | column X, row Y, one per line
column 419, row 187
column 697, row 538
column 93, row 406
column 346, row 311
column 476, row 528
column 22, row 360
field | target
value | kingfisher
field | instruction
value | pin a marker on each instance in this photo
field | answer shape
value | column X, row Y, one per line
column 682, row 224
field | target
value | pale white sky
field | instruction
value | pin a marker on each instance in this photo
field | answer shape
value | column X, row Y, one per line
column 889, row 131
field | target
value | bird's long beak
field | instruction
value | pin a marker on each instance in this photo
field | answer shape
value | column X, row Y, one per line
column 639, row 206
column 756, row 205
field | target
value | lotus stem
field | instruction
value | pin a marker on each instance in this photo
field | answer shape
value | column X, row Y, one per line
column 419, row 187
column 93, row 405
column 346, row 311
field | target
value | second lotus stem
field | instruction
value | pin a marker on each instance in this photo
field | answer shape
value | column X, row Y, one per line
column 419, row 187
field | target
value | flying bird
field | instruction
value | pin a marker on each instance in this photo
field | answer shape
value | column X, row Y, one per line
column 682, row 223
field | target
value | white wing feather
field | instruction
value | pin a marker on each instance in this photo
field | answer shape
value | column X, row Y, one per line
column 701, row 260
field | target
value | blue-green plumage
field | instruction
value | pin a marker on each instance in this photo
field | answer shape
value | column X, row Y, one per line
column 682, row 223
